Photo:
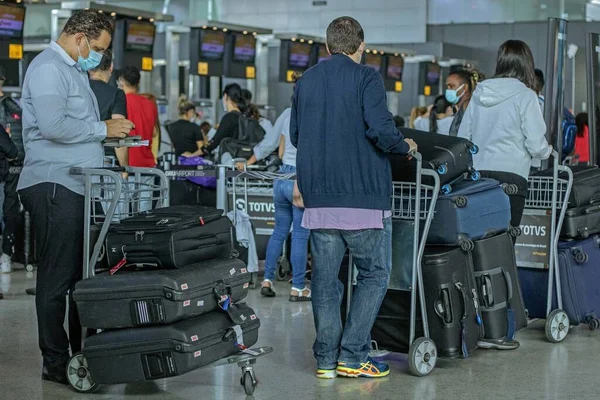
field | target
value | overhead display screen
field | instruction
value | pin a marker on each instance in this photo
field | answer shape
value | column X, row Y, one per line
column 212, row 45
column 434, row 72
column 12, row 19
column 323, row 54
column 140, row 36
column 244, row 48
column 373, row 61
column 394, row 68
column 299, row 55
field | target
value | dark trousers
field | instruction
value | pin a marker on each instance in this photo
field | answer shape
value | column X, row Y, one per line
column 11, row 214
column 57, row 218
column 517, row 201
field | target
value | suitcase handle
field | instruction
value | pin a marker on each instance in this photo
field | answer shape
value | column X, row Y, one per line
column 509, row 285
column 487, row 291
column 443, row 306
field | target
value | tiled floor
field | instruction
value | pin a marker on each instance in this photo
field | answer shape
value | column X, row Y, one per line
column 538, row 370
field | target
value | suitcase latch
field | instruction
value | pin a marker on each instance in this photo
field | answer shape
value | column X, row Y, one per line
column 140, row 235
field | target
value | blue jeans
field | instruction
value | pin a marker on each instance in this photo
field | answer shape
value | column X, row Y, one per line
column 372, row 255
column 286, row 216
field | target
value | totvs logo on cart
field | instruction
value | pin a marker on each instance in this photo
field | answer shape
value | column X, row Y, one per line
column 255, row 206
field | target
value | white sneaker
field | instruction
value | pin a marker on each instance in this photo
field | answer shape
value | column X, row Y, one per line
column 5, row 264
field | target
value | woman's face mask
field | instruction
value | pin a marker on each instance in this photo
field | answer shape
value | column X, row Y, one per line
column 224, row 102
column 452, row 94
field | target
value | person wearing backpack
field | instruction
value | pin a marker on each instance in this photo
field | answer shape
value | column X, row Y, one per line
column 235, row 129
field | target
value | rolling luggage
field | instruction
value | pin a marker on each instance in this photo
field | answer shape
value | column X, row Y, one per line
column 581, row 222
column 473, row 210
column 451, row 307
column 170, row 237
column 579, row 268
column 139, row 354
column 451, row 157
column 497, row 283
column 134, row 299
column 586, row 185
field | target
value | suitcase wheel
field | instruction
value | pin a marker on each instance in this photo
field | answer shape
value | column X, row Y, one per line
column 460, row 201
column 248, row 381
column 515, row 231
column 557, row 326
column 594, row 324
column 475, row 175
column 422, row 357
column 79, row 376
column 510, row 189
column 283, row 268
column 446, row 189
column 442, row 169
column 473, row 149
column 467, row 245
column 580, row 257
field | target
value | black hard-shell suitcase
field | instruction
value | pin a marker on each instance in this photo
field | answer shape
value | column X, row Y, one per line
column 451, row 310
column 171, row 237
column 497, row 283
column 451, row 157
column 581, row 222
column 131, row 299
column 139, row 354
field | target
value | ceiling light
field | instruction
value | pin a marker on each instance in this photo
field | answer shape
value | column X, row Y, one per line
column 310, row 42
column 224, row 29
column 301, row 40
column 113, row 14
column 151, row 19
column 254, row 33
column 245, row 32
column 293, row 39
column 204, row 27
column 368, row 51
column 396, row 54
column 139, row 18
column 215, row 28
column 100, row 11
column 374, row 51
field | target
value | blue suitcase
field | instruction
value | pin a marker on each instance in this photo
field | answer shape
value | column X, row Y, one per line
column 579, row 264
column 473, row 211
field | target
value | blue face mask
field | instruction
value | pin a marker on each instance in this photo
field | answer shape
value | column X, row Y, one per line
column 92, row 61
column 452, row 96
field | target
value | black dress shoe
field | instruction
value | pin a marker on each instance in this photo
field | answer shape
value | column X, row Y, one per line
column 55, row 374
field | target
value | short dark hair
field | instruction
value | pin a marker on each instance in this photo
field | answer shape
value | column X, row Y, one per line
column 515, row 60
column 131, row 75
column 539, row 75
column 344, row 36
column 89, row 22
column 106, row 62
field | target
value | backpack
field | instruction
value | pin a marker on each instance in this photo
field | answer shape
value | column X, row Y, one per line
column 242, row 146
column 569, row 131
column 11, row 114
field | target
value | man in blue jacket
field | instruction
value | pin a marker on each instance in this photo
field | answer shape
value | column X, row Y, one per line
column 342, row 129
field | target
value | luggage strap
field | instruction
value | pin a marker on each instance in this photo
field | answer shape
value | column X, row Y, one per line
column 239, row 341
column 460, row 287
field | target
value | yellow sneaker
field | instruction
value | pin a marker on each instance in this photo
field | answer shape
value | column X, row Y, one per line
column 326, row 373
column 367, row 369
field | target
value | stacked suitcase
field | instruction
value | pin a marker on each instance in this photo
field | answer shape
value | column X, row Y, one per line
column 469, row 269
column 578, row 255
column 170, row 303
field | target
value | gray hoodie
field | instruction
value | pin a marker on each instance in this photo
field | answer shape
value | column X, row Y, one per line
column 505, row 121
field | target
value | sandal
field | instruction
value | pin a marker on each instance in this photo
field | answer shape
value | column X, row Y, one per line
column 300, row 296
column 267, row 291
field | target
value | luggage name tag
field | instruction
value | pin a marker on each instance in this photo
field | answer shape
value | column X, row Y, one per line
column 119, row 265
column 239, row 341
column 202, row 223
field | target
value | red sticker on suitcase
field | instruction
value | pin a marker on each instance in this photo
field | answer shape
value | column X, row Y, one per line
column 184, row 286
column 243, row 270
column 194, row 338
column 197, row 353
column 253, row 317
column 186, row 303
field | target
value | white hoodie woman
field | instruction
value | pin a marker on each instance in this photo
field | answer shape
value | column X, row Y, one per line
column 505, row 121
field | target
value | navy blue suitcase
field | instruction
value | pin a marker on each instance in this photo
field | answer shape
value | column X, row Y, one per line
column 579, row 264
column 474, row 210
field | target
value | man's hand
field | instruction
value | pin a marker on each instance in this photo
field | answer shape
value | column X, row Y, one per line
column 412, row 145
column 7, row 129
column 118, row 128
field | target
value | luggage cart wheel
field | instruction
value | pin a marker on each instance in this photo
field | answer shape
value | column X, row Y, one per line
column 422, row 357
column 29, row 267
column 283, row 268
column 460, row 201
column 557, row 326
column 79, row 376
column 248, row 381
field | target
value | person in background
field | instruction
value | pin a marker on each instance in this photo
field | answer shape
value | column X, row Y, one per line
column 541, row 82
column 205, row 127
column 344, row 177
column 187, row 137
column 416, row 114
column 8, row 152
column 504, row 119
column 234, row 105
column 254, row 112
column 62, row 130
column 144, row 115
column 460, row 85
column 111, row 101
column 440, row 116
column 10, row 118
column 582, row 144
column 156, row 135
column 399, row 121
